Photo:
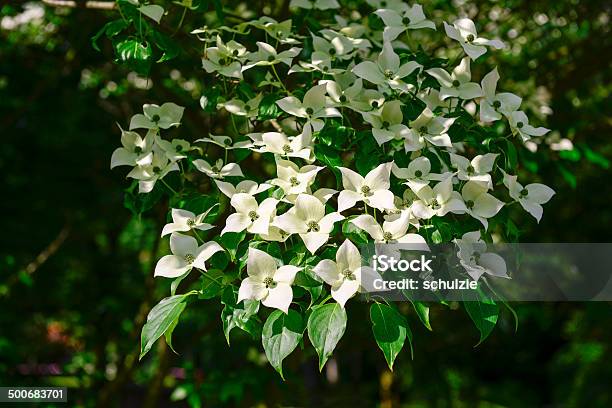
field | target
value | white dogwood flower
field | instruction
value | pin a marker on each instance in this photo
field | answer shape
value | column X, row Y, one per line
column 519, row 124
column 249, row 215
column 296, row 146
column 245, row 186
column 343, row 275
column 219, row 170
column 391, row 232
column 308, row 219
column 478, row 203
column 313, row 107
column 175, row 149
column 439, row 200
column 477, row 169
column 148, row 174
column 418, row 172
column 387, row 122
column 183, row 220
column 476, row 261
column 493, row 105
column 136, row 150
column 398, row 20
column 428, row 128
column 186, row 254
column 531, row 197
column 225, row 59
column 344, row 89
column 373, row 189
column 464, row 31
column 457, row 84
column 314, row 4
column 238, row 107
column 158, row 117
column 293, row 179
column 267, row 55
column 387, row 70
column 267, row 282
column 226, row 142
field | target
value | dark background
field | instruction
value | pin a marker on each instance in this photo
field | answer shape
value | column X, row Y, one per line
column 76, row 277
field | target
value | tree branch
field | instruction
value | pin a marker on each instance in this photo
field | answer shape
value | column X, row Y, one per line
column 92, row 4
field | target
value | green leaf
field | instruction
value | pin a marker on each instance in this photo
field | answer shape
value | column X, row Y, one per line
column 138, row 203
column 242, row 316
column 280, row 336
column 209, row 98
column 110, row 29
column 153, row 11
column 169, row 47
column 230, row 240
column 161, row 318
column 305, row 279
column 511, row 156
column 390, row 331
column 133, row 50
column 422, row 310
column 326, row 326
column 327, row 155
column 268, row 109
column 484, row 313
column 213, row 282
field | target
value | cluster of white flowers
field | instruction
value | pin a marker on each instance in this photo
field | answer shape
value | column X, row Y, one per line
column 362, row 74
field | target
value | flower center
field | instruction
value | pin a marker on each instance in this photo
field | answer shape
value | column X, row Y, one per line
column 156, row 170
column 383, row 4
column 418, row 173
column 470, row 169
column 313, row 226
column 496, row 104
column 387, row 236
column 227, row 141
column 269, row 282
column 374, row 104
column 342, row 98
column 155, row 118
column 348, row 274
column 456, row 83
column 423, row 130
column 287, row 149
column 332, row 51
column 385, row 124
column 366, row 191
column 309, row 111
column 253, row 215
column 294, row 181
column 520, row 125
column 405, row 21
column 469, row 204
column 325, row 68
column 270, row 58
column 388, row 73
column 215, row 169
column 191, row 223
column 247, row 107
column 470, row 38
column 189, row 258
column 179, row 148
column 434, row 204
column 137, row 149
column 524, row 192
column 235, row 53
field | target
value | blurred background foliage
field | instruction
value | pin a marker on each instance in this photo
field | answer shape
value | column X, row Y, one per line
column 76, row 276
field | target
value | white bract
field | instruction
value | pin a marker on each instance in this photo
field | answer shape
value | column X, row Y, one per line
column 418, row 172
column 428, row 128
column 148, row 173
column 308, row 219
column 531, row 197
column 313, row 108
column 267, row 55
column 218, row 170
column 494, row 105
column 478, row 203
column 476, row 261
column 373, row 189
column 293, row 179
column 314, row 4
column 397, row 20
column 225, row 59
column 464, row 31
column 267, row 282
column 238, row 107
column 456, row 84
column 245, row 186
column 519, row 124
column 186, row 254
column 281, row 144
column 387, row 122
column 136, row 150
column 439, row 200
column 477, row 169
column 183, row 220
column 158, row 117
column 387, row 70
column 343, row 275
column 393, row 231
column 249, row 215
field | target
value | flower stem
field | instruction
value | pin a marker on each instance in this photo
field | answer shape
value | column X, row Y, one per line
column 278, row 79
column 168, row 186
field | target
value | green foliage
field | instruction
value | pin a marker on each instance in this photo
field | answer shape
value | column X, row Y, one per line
column 326, row 326
column 390, row 330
